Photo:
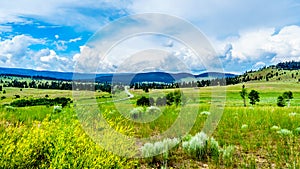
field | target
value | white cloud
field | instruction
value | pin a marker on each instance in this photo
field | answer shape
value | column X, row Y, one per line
column 244, row 30
column 88, row 61
column 49, row 60
column 16, row 52
column 67, row 13
column 5, row 29
column 263, row 44
column 215, row 18
column 75, row 39
column 222, row 18
column 61, row 45
column 112, row 46
column 258, row 65
column 50, row 57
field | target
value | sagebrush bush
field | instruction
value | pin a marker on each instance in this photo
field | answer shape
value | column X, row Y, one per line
column 227, row 156
column 136, row 112
column 153, row 110
column 202, row 147
column 57, row 109
column 153, row 149
column 285, row 132
column 196, row 146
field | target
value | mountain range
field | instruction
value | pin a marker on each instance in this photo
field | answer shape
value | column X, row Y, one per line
column 110, row 77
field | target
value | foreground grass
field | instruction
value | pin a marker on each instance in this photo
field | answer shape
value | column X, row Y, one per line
column 57, row 141
column 36, row 137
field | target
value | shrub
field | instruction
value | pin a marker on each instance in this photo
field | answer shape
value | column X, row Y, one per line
column 143, row 101
column 297, row 130
column 136, row 112
column 59, row 143
column 205, row 113
column 275, row 128
column 187, row 137
column 153, row 110
column 57, row 109
column 285, row 132
column 244, row 126
column 293, row 114
column 10, row 108
column 227, row 156
column 153, row 149
column 161, row 101
column 197, row 146
column 151, row 101
column 202, row 147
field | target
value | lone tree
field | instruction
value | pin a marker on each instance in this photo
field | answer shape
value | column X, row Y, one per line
column 280, row 101
column 243, row 94
column 254, row 97
column 288, row 96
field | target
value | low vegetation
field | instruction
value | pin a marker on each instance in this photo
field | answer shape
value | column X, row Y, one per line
column 44, row 132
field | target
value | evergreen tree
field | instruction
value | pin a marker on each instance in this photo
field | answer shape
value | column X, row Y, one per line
column 254, row 97
column 288, row 96
column 280, row 101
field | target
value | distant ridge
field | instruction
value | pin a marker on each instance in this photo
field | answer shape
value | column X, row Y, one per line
column 109, row 77
column 215, row 75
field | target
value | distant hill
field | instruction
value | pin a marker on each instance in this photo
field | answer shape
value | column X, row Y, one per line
column 215, row 75
column 116, row 78
column 286, row 71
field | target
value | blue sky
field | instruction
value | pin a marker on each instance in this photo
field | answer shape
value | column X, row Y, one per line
column 51, row 35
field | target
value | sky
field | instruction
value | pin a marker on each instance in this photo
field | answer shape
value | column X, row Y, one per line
column 56, row 35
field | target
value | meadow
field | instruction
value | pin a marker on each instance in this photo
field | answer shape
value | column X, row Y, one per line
column 259, row 136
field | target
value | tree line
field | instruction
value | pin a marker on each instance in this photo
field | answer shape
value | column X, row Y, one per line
column 63, row 101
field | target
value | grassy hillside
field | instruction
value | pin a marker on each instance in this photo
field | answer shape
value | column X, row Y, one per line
column 288, row 71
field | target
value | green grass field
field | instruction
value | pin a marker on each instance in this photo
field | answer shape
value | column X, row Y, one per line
column 38, row 137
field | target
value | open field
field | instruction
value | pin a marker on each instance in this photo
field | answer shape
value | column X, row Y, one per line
column 263, row 135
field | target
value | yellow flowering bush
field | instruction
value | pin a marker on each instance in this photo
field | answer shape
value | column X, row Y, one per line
column 54, row 143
